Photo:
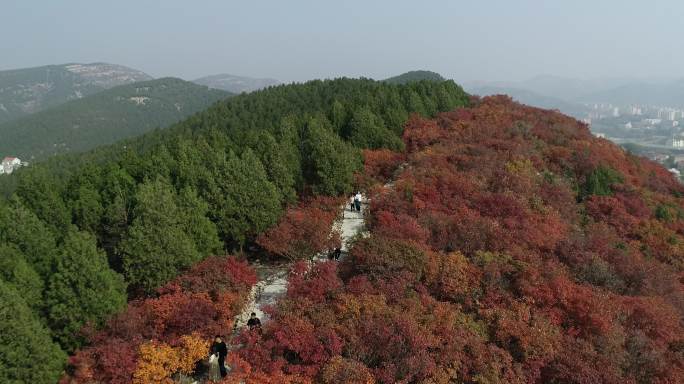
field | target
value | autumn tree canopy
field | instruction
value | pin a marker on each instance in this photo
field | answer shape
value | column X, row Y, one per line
column 512, row 246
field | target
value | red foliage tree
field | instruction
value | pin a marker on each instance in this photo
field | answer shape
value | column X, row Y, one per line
column 303, row 232
column 380, row 164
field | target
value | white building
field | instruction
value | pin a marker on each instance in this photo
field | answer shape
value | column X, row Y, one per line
column 9, row 164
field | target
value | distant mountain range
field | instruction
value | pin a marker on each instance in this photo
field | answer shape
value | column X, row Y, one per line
column 568, row 94
column 235, row 84
column 105, row 117
column 30, row 90
column 657, row 93
column 532, row 98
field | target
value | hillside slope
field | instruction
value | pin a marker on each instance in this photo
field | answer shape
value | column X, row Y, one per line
column 511, row 246
column 29, row 90
column 104, row 118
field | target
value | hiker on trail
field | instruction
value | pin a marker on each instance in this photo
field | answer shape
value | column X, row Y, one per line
column 357, row 201
column 219, row 348
column 337, row 253
column 254, row 322
column 352, row 203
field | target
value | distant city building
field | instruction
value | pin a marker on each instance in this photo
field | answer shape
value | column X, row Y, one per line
column 678, row 142
column 653, row 121
column 675, row 172
column 675, row 123
column 616, row 112
column 672, row 115
column 9, row 164
column 628, row 125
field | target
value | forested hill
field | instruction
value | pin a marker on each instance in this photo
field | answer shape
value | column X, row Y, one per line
column 383, row 107
column 505, row 244
column 128, row 218
column 30, row 90
column 104, row 118
column 414, row 76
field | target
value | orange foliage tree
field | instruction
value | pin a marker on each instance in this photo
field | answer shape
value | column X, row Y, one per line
column 159, row 361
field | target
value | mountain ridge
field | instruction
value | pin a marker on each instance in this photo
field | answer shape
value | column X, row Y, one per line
column 234, row 83
column 24, row 91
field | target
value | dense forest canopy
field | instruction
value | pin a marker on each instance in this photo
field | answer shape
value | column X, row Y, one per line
column 82, row 233
column 105, row 117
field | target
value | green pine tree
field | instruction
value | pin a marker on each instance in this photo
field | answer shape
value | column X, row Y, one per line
column 20, row 227
column 329, row 162
column 27, row 352
column 17, row 272
column 369, row 131
column 40, row 191
column 195, row 222
column 246, row 203
column 167, row 235
column 82, row 290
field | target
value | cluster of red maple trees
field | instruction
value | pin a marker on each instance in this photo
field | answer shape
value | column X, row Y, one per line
column 512, row 246
column 162, row 335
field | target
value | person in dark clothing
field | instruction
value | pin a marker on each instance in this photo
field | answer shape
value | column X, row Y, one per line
column 253, row 322
column 357, row 201
column 219, row 348
column 337, row 253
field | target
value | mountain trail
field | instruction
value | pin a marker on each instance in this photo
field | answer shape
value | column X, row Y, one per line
column 273, row 280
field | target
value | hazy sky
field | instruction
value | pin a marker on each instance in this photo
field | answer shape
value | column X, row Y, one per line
column 299, row 40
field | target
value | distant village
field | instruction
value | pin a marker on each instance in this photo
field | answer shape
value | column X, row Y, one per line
column 10, row 164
